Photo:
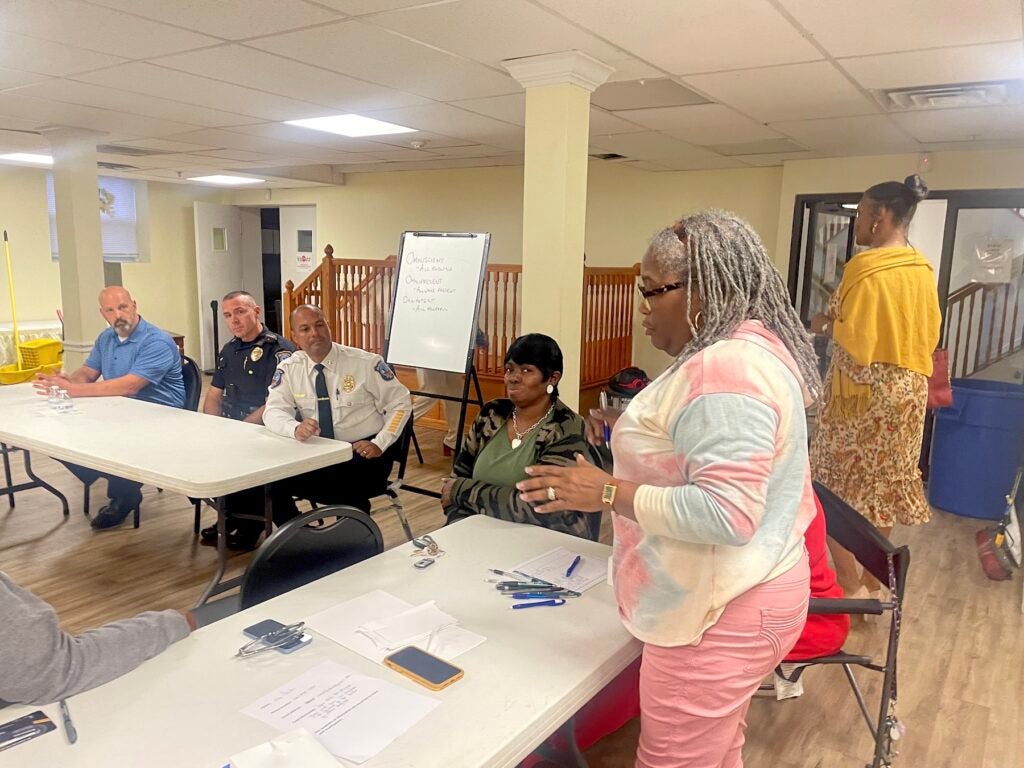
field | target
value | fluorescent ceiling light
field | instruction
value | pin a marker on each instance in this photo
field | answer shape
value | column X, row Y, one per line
column 27, row 157
column 850, row 206
column 352, row 126
column 227, row 181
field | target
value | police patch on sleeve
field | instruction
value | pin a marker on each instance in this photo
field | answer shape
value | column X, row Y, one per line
column 385, row 371
column 282, row 355
column 278, row 375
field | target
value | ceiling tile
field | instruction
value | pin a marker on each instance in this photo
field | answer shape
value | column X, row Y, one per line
column 378, row 56
column 230, row 19
column 765, row 161
column 163, row 145
column 14, row 140
column 220, row 139
column 687, row 37
column 12, row 78
column 939, row 66
column 662, row 149
column 642, row 165
column 274, row 74
column 57, row 59
column 604, row 123
column 973, row 124
column 97, row 29
column 765, row 147
column 866, row 135
column 701, row 124
column 523, row 30
column 448, row 121
column 296, row 135
column 159, row 81
column 86, row 94
column 510, row 108
column 115, row 124
column 433, row 141
column 633, row 69
column 792, row 92
column 645, row 94
column 882, row 26
column 473, row 150
column 360, row 7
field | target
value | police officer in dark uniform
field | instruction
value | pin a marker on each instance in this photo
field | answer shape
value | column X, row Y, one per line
column 238, row 391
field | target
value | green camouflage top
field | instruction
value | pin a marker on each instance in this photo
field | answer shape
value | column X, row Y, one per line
column 558, row 442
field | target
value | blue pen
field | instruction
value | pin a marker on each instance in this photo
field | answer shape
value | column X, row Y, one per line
column 571, row 568
column 537, row 604
column 603, row 397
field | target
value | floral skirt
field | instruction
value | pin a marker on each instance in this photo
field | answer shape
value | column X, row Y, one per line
column 871, row 460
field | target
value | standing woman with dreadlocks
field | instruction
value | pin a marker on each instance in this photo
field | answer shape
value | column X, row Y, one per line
column 884, row 319
column 712, row 489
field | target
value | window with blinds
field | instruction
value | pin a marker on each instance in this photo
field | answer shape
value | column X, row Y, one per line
column 122, row 218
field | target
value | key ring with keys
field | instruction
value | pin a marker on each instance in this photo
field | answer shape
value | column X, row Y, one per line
column 426, row 547
column 275, row 639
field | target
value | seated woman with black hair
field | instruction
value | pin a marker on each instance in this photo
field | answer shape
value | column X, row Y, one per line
column 530, row 426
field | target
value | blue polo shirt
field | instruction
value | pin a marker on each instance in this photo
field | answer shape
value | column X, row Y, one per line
column 149, row 353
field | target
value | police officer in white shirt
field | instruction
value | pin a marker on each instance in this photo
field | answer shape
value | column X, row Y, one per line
column 340, row 393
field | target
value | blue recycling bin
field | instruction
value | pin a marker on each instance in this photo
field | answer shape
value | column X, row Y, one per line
column 977, row 448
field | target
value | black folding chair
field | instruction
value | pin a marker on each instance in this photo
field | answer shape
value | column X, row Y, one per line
column 304, row 549
column 888, row 564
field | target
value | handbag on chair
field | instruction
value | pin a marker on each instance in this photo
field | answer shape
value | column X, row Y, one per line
column 940, row 393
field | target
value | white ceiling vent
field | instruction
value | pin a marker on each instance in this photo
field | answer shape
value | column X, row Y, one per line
column 949, row 96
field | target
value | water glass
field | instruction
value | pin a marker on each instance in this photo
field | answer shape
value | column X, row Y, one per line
column 65, row 404
column 54, row 398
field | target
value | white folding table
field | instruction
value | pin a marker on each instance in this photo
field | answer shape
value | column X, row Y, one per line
column 200, row 456
column 535, row 670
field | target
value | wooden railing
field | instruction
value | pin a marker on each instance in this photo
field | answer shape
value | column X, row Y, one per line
column 355, row 295
column 608, row 295
column 983, row 325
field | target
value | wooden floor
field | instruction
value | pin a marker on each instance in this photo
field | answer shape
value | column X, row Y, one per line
column 962, row 660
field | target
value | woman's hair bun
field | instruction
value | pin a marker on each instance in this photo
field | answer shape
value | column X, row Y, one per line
column 917, row 186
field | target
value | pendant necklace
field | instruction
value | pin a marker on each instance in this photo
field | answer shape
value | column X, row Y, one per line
column 518, row 439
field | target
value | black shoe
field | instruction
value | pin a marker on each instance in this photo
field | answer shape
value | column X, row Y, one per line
column 111, row 516
column 238, row 540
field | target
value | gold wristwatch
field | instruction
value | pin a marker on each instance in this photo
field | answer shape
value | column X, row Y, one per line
column 608, row 494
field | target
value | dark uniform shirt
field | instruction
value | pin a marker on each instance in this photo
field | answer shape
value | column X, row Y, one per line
column 244, row 371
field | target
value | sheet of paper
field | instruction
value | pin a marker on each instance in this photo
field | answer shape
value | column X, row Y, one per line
column 296, row 749
column 342, row 622
column 551, row 567
column 415, row 626
column 353, row 715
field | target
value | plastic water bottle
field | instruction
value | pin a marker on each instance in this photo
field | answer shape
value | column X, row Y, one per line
column 65, row 404
column 54, row 399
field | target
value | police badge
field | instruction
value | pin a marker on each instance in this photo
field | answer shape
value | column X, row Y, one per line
column 256, row 354
column 348, row 383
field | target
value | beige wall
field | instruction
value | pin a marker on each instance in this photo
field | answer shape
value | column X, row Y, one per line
column 23, row 214
column 365, row 217
column 164, row 286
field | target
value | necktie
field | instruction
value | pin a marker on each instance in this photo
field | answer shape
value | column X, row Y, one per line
column 323, row 404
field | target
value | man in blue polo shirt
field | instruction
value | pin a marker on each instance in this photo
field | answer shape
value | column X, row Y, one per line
column 134, row 359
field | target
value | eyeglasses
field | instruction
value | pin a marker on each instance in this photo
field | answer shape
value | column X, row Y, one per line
column 647, row 293
column 275, row 639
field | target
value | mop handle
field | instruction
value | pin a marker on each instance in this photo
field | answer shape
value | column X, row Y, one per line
column 14, row 309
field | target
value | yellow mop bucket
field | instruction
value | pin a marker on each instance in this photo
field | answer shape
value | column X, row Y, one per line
column 32, row 357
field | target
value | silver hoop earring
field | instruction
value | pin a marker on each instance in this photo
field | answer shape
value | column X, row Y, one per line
column 550, row 390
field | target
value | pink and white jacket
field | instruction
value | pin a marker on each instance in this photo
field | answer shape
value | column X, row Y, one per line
column 719, row 446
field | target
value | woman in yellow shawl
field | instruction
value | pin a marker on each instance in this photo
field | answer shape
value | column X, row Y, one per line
column 884, row 319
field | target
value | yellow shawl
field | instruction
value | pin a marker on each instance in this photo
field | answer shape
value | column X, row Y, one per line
column 887, row 312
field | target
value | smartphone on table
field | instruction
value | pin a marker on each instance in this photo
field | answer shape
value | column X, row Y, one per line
column 268, row 626
column 424, row 668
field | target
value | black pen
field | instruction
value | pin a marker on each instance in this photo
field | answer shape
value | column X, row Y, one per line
column 69, row 727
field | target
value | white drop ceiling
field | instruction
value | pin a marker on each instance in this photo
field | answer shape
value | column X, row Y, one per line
column 701, row 84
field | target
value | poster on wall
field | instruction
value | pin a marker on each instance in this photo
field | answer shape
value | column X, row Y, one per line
column 304, row 261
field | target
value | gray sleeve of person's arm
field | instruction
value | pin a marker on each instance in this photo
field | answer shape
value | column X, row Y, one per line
column 42, row 664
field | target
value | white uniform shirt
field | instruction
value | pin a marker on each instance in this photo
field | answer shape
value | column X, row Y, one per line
column 367, row 400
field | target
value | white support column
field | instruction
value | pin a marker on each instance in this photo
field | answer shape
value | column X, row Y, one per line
column 558, row 88
column 75, row 185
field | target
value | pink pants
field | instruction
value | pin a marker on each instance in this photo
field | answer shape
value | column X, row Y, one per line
column 694, row 698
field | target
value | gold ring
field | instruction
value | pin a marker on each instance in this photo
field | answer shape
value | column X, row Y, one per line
column 552, row 496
